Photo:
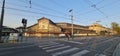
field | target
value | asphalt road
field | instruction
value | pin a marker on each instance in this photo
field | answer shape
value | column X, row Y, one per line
column 91, row 46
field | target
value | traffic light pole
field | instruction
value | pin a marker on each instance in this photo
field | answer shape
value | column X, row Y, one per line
column 24, row 22
column 1, row 19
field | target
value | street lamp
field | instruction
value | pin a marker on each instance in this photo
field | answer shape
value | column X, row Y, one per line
column 1, row 19
column 71, row 22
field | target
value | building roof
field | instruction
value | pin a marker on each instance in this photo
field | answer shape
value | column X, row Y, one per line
column 21, row 27
column 73, row 24
column 32, row 25
column 50, row 21
column 8, row 29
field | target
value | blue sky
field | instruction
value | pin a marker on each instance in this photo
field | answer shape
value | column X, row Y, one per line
column 58, row 11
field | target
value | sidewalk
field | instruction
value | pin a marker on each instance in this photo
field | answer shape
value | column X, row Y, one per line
column 117, row 51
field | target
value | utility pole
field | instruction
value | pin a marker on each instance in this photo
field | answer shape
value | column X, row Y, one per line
column 71, row 22
column 1, row 19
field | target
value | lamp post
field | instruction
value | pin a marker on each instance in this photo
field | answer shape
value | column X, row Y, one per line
column 71, row 22
column 1, row 19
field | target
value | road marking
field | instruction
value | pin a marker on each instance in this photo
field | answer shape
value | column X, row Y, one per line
column 50, row 50
column 65, row 51
column 48, row 45
column 43, row 43
column 100, row 55
column 53, row 46
column 75, row 42
column 81, row 53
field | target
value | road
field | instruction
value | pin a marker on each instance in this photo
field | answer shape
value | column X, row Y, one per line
column 89, row 46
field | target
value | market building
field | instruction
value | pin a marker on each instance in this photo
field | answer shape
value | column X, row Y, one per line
column 45, row 27
column 100, row 30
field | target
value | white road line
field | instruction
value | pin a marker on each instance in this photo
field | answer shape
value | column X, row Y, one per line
column 51, row 50
column 48, row 45
column 53, row 46
column 81, row 53
column 101, row 55
column 75, row 42
column 65, row 51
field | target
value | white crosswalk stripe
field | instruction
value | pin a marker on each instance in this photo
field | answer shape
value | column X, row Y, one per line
column 48, row 45
column 51, row 50
column 53, row 46
column 100, row 55
column 65, row 51
column 81, row 53
column 43, row 43
column 75, row 42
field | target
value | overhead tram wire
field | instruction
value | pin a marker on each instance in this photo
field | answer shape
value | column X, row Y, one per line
column 63, row 6
column 53, row 1
column 27, row 7
column 34, row 12
column 35, row 4
column 50, row 15
column 98, row 8
column 94, row 6
column 99, row 2
column 31, row 16
column 92, row 10
column 22, row 15
column 113, row 2
column 46, row 8
column 50, row 9
column 35, row 16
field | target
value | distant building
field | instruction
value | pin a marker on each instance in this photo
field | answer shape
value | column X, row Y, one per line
column 46, row 27
column 20, row 29
column 100, row 30
column 7, row 30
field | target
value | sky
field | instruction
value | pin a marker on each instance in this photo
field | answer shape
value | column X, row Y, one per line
column 85, row 12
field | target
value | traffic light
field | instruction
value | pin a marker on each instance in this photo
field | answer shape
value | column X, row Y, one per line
column 24, row 21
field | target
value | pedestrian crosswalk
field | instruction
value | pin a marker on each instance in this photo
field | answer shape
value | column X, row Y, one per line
column 74, row 42
column 53, row 46
column 48, row 45
column 65, row 51
column 60, row 49
column 50, row 50
column 100, row 55
column 81, row 53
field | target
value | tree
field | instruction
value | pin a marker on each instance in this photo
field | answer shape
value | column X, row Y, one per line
column 116, row 27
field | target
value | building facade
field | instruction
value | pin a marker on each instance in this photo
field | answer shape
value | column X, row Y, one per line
column 45, row 27
column 78, row 30
column 100, row 30
column 7, row 30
